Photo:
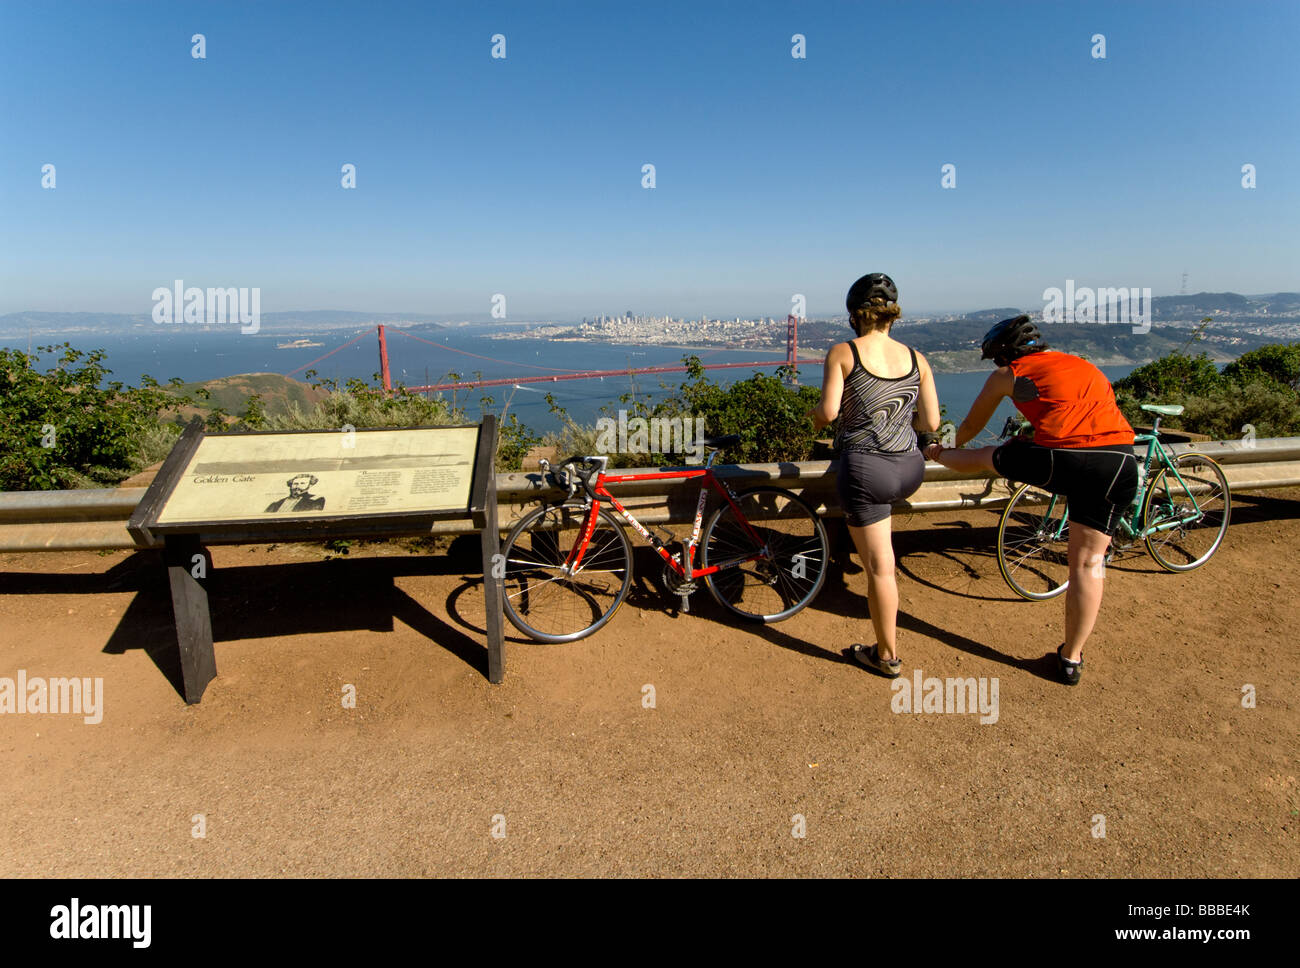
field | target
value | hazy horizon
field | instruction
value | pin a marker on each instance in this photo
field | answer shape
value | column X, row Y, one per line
column 483, row 319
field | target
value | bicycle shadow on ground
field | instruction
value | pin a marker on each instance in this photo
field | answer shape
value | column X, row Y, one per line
column 847, row 601
column 1255, row 508
column 969, row 549
column 464, row 604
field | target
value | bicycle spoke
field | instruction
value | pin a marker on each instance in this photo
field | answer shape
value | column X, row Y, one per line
column 545, row 600
column 1186, row 514
column 786, row 545
column 1033, row 544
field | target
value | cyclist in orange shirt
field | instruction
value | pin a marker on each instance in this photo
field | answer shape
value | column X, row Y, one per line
column 1082, row 448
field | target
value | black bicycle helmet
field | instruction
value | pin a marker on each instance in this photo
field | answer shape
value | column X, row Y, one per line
column 1010, row 339
column 870, row 286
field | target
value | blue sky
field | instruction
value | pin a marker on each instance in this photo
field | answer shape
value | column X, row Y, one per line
column 522, row 176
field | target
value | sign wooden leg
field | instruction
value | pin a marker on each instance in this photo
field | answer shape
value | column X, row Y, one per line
column 492, row 585
column 190, row 607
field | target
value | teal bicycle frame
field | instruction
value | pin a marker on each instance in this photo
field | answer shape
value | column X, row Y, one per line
column 1132, row 525
column 1167, row 512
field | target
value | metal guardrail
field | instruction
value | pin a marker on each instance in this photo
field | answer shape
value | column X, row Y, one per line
column 95, row 519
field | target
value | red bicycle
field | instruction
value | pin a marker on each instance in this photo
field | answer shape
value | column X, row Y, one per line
column 568, row 565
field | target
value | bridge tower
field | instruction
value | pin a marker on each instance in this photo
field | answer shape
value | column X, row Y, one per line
column 792, row 343
column 383, row 362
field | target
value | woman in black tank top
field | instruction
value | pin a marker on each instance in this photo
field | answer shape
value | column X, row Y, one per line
column 879, row 462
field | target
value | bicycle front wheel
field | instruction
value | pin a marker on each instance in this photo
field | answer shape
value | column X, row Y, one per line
column 1185, row 516
column 543, row 598
column 772, row 551
column 1033, row 544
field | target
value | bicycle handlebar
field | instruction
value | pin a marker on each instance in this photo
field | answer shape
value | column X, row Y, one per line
column 574, row 472
column 1012, row 428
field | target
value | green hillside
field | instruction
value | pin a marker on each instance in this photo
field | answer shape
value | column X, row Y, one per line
column 230, row 393
column 954, row 345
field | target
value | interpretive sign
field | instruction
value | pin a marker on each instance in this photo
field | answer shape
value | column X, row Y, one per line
column 242, row 477
column 312, row 486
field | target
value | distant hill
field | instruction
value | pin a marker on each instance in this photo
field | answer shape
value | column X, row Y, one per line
column 42, row 324
column 953, row 345
column 230, row 393
column 1204, row 304
column 1229, row 308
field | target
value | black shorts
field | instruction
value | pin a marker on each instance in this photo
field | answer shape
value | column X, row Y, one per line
column 1099, row 483
column 869, row 483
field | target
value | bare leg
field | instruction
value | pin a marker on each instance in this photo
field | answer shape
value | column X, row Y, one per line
column 1083, row 596
column 966, row 461
column 876, row 549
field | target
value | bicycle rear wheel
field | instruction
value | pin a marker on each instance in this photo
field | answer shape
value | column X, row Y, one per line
column 1192, row 516
column 1033, row 544
column 781, row 548
column 542, row 599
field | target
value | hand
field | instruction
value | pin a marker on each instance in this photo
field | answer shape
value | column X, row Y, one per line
column 932, row 452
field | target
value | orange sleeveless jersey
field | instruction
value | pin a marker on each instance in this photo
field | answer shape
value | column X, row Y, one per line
column 1068, row 401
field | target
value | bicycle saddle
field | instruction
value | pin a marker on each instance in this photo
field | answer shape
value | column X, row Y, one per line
column 1164, row 409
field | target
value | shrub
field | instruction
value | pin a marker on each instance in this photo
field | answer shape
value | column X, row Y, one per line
column 1278, row 364
column 768, row 414
column 363, row 404
column 66, row 427
column 1171, row 376
column 1224, row 413
column 1259, row 389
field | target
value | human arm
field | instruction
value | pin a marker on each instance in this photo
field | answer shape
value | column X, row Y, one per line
column 828, row 407
column 1000, row 384
column 926, row 418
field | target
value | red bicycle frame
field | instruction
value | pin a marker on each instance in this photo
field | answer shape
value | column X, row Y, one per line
column 684, row 568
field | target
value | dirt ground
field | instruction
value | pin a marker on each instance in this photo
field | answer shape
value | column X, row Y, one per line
column 750, row 730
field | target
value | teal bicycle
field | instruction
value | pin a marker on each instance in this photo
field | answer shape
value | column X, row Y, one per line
column 1180, row 513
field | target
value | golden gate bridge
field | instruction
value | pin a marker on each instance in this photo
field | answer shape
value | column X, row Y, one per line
column 553, row 374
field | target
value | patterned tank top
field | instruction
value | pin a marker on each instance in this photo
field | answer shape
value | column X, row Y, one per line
column 876, row 412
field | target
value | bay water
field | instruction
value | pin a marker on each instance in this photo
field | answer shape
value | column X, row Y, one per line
column 471, row 352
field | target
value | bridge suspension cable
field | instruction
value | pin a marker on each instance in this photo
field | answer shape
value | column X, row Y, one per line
column 480, row 356
column 332, row 352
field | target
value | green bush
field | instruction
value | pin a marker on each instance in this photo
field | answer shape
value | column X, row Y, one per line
column 1258, row 390
column 1225, row 412
column 1278, row 364
column 1170, row 376
column 768, row 414
column 66, row 427
column 363, row 404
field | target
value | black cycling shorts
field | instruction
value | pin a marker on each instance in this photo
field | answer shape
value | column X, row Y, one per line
column 869, row 483
column 1099, row 483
